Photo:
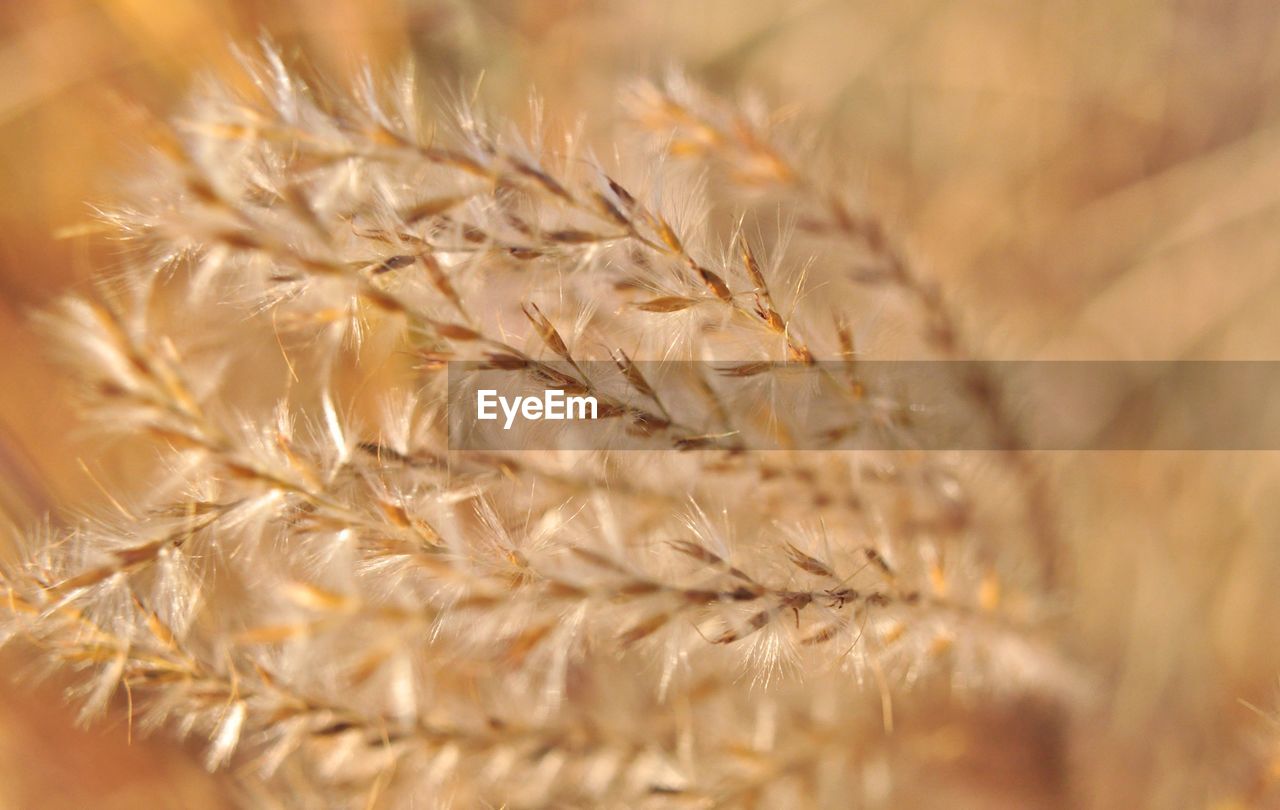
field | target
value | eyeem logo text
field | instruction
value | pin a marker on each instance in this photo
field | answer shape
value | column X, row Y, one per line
column 553, row 405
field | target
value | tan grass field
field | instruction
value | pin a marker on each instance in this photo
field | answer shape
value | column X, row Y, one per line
column 1086, row 180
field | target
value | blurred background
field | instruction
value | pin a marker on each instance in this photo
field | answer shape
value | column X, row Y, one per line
column 1089, row 178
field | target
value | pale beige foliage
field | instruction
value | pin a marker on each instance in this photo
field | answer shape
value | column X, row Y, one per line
column 351, row 612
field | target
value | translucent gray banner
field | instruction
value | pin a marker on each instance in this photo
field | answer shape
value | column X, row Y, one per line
column 513, row 403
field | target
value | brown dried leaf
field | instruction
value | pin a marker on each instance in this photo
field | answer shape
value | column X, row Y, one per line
column 542, row 178
column 439, row 279
column 546, row 330
column 715, row 284
column 669, row 237
column 633, row 375
column 455, row 331
column 599, row 560
column 746, row 369
column 573, row 236
column 753, row 267
column 500, row 361
column 431, row 208
column 697, row 552
column 666, row 304
column 809, row 564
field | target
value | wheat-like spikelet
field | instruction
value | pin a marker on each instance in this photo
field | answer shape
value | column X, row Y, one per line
column 352, row 612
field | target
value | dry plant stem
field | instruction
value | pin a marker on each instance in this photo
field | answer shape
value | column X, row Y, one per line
column 650, row 230
column 500, row 354
column 757, row 161
column 226, row 697
column 329, row 592
column 243, row 701
column 980, row 384
column 418, row 541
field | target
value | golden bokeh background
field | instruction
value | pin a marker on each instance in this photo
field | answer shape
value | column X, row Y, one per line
column 1090, row 178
